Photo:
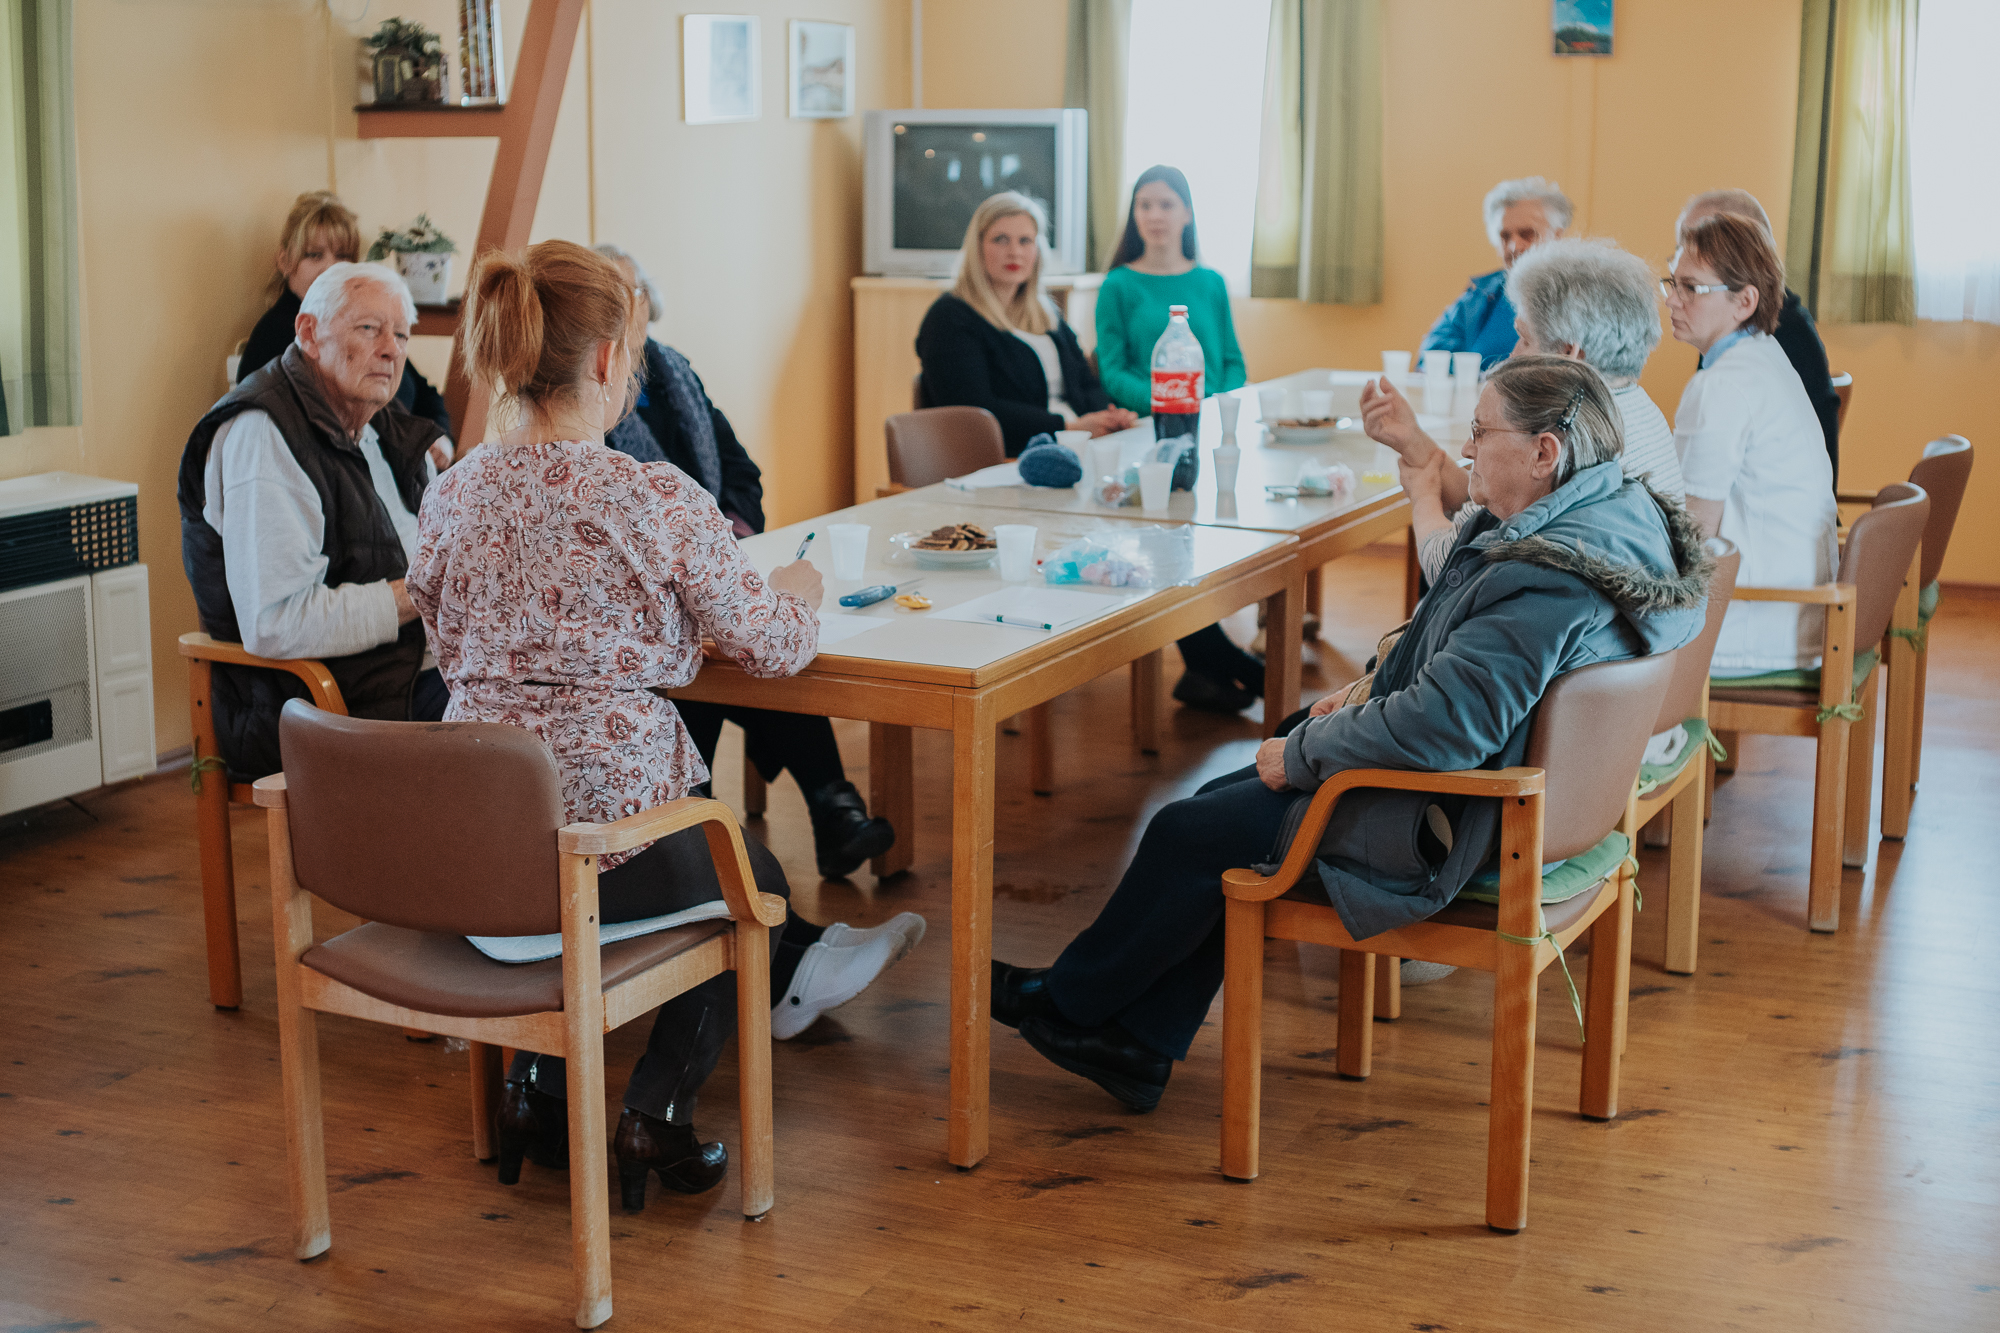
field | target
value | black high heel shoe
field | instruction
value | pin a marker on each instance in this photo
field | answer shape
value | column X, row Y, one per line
column 686, row 1165
column 531, row 1125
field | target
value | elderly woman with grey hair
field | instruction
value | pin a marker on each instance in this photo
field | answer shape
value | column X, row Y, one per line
column 1520, row 214
column 1569, row 563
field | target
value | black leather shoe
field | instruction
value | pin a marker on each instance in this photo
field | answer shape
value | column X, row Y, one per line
column 1108, row 1056
column 686, row 1165
column 1199, row 690
column 1021, row 992
column 531, row 1125
column 843, row 834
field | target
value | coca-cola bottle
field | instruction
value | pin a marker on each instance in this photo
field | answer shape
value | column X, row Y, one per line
column 1177, row 376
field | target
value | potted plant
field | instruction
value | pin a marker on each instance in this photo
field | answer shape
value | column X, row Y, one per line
column 423, row 256
column 408, row 63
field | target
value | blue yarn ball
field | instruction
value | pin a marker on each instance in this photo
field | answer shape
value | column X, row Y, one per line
column 1050, row 465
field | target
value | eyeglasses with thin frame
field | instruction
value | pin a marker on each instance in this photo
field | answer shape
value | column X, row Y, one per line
column 1687, row 291
column 1480, row 432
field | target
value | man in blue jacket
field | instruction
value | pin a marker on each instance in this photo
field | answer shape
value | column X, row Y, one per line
column 1520, row 214
column 1567, row 564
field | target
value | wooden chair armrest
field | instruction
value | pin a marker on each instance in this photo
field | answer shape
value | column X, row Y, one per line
column 1824, row 594
column 888, row 489
column 1854, row 497
column 725, row 844
column 325, row 690
column 1250, row 886
column 269, row 792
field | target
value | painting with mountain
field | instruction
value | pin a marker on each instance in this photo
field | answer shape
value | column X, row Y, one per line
column 1582, row 27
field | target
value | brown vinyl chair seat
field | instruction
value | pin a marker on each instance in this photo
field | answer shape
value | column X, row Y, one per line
column 1473, row 914
column 445, row 974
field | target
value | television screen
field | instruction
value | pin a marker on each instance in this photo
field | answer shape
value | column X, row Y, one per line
column 943, row 172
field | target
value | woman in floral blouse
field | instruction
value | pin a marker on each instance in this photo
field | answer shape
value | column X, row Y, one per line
column 560, row 583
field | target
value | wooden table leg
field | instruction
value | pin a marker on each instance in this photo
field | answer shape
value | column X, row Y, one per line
column 218, row 861
column 1041, row 752
column 1146, row 677
column 1315, row 596
column 892, row 795
column 973, row 751
column 1283, row 611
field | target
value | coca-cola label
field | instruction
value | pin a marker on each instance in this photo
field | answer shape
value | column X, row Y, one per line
column 1176, row 391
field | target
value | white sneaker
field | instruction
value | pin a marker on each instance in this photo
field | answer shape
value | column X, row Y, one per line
column 1416, row 972
column 906, row 928
column 827, row 978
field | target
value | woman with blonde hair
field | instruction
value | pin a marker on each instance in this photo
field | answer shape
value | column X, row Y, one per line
column 562, row 583
column 320, row 232
column 996, row 341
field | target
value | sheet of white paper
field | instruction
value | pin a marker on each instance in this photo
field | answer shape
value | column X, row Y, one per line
column 534, row 948
column 1000, row 474
column 833, row 626
column 1040, row 605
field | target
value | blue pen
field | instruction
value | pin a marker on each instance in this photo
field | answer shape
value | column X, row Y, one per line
column 879, row 592
column 802, row 546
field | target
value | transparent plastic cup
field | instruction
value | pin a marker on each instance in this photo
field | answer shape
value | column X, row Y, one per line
column 849, row 542
column 1227, row 459
column 1017, row 550
column 1396, row 365
column 1156, row 482
column 1228, row 405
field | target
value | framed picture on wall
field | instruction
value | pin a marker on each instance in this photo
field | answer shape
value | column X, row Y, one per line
column 720, row 68
column 822, row 69
column 1583, row 27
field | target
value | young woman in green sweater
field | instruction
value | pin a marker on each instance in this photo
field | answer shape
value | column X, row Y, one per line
column 1155, row 267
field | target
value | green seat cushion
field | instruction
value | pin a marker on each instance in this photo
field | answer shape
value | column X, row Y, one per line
column 1796, row 679
column 1653, row 776
column 1561, row 880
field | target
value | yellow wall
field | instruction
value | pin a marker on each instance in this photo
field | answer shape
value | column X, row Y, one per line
column 1702, row 93
column 199, row 121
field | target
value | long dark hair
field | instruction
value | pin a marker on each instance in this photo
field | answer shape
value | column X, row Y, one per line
column 1131, row 245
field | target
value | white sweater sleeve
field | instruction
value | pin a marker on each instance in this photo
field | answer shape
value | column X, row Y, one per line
column 272, row 527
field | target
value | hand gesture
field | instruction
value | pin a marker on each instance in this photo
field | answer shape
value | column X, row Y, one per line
column 1334, row 702
column 1271, row 764
column 801, row 579
column 1423, row 480
column 1389, row 419
column 1106, row 421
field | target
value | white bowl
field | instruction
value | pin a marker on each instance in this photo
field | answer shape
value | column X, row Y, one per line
column 944, row 559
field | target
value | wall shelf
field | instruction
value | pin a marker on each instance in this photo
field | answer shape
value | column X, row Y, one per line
column 435, row 120
column 437, row 321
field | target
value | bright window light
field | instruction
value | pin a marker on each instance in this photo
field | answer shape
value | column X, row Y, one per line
column 1195, row 100
column 1955, row 188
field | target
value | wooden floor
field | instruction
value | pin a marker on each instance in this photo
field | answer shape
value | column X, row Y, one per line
column 1811, row 1135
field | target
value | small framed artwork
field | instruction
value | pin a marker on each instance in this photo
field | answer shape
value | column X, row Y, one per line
column 822, row 65
column 720, row 68
column 1583, row 27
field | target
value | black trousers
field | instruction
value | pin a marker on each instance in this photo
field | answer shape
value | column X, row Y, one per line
column 772, row 741
column 1152, row 960
column 692, row 1028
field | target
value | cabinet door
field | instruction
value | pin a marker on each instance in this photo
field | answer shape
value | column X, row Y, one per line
column 125, row 706
column 124, row 672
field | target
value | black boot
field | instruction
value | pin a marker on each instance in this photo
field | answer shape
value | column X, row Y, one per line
column 646, row 1143
column 843, row 834
column 531, row 1125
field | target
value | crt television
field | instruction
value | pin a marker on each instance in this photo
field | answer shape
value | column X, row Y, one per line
column 927, row 170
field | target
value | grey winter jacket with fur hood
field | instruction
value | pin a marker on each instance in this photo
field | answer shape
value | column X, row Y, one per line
column 1597, row 571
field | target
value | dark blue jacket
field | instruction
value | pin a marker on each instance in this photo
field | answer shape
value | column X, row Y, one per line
column 1480, row 321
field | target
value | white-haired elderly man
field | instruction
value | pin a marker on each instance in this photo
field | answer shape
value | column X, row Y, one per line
column 1520, row 214
column 298, row 496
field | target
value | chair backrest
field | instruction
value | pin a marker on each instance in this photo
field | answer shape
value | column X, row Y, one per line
column 1879, row 548
column 1691, row 659
column 939, row 442
column 1843, row 389
column 1590, row 732
column 447, row 827
column 1943, row 472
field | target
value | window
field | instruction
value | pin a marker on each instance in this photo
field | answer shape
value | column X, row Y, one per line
column 1955, row 190
column 1195, row 100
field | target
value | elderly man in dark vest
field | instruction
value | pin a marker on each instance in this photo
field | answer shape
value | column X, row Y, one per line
column 298, row 496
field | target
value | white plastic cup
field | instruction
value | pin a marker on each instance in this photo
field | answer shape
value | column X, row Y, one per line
column 1316, row 404
column 1270, row 405
column 850, row 549
column 1228, row 405
column 1074, row 440
column 1396, row 365
column 1103, row 458
column 1155, row 486
column 1227, row 458
column 1465, row 366
column 1017, row 550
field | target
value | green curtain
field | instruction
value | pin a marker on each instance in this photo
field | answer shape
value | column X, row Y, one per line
column 1318, row 232
column 39, row 343
column 1850, row 249
column 1100, row 37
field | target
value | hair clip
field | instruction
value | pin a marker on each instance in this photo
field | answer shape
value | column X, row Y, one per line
column 1569, row 413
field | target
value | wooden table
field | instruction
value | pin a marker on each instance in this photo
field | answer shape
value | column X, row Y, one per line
column 916, row 670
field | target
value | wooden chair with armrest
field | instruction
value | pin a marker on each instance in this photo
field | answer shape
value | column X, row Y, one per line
column 1682, row 791
column 1873, row 592
column 1943, row 471
column 1589, row 732
column 491, row 855
column 215, row 789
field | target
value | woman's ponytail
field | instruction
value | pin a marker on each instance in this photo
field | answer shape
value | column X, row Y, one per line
column 535, row 317
column 503, row 343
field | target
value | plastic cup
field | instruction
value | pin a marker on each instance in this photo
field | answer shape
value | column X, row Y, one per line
column 1316, row 404
column 1465, row 366
column 1396, row 365
column 1270, row 405
column 1017, row 550
column 1103, row 458
column 1156, row 482
column 1228, row 405
column 850, row 549
column 1074, row 440
column 1227, row 459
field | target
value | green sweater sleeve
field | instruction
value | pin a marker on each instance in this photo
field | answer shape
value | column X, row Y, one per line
column 1234, row 374
column 1124, row 366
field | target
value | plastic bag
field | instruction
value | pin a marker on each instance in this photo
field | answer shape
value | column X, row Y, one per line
column 1140, row 557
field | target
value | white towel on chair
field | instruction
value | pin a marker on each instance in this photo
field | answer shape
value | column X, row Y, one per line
column 536, row 948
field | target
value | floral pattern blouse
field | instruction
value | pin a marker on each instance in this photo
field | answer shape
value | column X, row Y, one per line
column 561, row 583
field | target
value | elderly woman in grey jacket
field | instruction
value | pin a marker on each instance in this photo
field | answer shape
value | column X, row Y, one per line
column 1566, row 564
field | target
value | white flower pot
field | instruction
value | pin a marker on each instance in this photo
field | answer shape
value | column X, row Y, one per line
column 427, row 275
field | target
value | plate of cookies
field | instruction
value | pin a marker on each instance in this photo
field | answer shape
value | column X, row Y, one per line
column 953, row 546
